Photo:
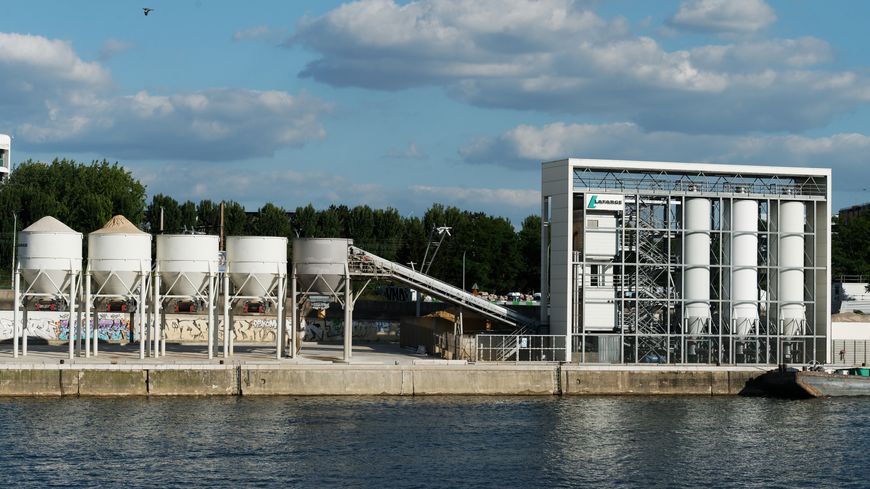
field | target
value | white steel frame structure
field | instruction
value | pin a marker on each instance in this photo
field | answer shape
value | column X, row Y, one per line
column 135, row 293
column 645, row 278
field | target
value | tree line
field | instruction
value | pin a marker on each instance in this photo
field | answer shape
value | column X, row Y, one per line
column 84, row 196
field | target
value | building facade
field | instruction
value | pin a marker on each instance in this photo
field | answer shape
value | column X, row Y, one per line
column 683, row 263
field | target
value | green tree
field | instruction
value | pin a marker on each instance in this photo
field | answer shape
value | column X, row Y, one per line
column 272, row 220
column 305, row 221
column 171, row 212
column 530, row 254
column 235, row 219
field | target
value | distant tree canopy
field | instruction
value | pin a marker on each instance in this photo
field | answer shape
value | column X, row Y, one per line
column 850, row 246
column 85, row 196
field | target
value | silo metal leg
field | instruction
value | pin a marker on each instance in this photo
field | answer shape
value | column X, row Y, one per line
column 211, row 317
column 72, row 316
column 87, row 317
column 226, row 316
column 294, row 320
column 348, row 320
column 279, row 323
column 16, row 307
column 24, row 330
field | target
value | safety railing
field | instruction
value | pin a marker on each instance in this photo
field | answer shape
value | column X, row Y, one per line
column 520, row 348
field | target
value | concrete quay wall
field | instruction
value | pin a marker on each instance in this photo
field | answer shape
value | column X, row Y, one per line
column 342, row 379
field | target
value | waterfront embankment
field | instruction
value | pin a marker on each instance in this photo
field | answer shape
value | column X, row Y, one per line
column 417, row 379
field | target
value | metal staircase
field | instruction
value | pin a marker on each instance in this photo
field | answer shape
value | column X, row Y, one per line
column 364, row 264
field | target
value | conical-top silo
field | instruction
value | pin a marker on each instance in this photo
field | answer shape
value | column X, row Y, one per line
column 321, row 276
column 49, row 264
column 119, row 264
column 256, row 269
column 187, row 270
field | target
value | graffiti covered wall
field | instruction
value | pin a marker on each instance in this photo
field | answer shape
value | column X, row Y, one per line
column 54, row 326
column 115, row 327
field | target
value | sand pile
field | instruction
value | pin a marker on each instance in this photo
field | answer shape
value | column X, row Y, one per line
column 48, row 224
column 119, row 225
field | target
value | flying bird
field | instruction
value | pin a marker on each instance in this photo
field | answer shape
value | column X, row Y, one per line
column 147, row 10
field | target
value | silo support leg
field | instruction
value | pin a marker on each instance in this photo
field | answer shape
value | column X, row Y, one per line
column 72, row 316
column 87, row 318
column 226, row 324
column 24, row 331
column 210, row 317
column 279, row 323
column 16, row 307
column 348, row 320
column 294, row 320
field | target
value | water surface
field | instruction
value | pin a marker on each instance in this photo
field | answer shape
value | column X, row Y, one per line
column 434, row 442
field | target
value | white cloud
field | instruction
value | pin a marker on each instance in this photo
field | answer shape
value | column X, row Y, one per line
column 724, row 16
column 322, row 189
column 525, row 146
column 112, row 47
column 53, row 100
column 560, row 56
column 464, row 197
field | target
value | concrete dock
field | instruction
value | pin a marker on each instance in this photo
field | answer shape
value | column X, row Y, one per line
column 376, row 369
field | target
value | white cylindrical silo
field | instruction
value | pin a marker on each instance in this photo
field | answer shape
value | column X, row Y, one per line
column 118, row 255
column 696, row 256
column 185, row 262
column 256, row 263
column 48, row 252
column 324, row 257
column 744, row 265
column 792, row 311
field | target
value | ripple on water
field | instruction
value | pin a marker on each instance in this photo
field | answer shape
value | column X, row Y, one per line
column 434, row 442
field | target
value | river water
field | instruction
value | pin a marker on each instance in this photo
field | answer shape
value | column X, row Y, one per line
column 435, row 442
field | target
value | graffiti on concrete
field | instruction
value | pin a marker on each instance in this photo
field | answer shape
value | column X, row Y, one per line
column 364, row 329
column 194, row 329
column 55, row 326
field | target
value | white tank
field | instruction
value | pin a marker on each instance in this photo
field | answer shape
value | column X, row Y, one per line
column 262, row 257
column 324, row 256
column 696, row 286
column 53, row 248
column 744, row 265
column 792, row 312
column 118, row 253
column 194, row 255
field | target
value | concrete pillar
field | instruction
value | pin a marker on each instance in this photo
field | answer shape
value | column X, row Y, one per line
column 279, row 323
column 156, row 304
column 226, row 315
column 140, row 307
column 210, row 308
column 25, row 329
column 348, row 318
column 16, row 308
column 72, row 314
column 87, row 319
column 294, row 320
column 80, row 329
column 232, row 332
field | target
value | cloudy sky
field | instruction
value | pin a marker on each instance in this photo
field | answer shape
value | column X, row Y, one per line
column 455, row 101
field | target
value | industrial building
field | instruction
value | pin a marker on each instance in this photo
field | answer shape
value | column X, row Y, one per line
column 5, row 156
column 685, row 263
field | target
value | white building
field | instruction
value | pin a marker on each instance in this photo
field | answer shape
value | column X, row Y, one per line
column 5, row 156
column 651, row 262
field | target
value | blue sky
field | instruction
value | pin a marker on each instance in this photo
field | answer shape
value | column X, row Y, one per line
column 455, row 101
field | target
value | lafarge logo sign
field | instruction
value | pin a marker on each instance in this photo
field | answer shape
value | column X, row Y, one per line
column 604, row 202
